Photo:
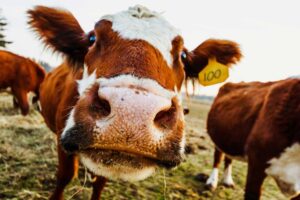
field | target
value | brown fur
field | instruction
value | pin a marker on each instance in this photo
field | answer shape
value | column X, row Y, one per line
column 22, row 75
column 257, row 121
column 134, row 57
column 48, row 22
column 110, row 56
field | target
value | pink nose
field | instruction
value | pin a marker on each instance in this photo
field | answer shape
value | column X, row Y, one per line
column 137, row 113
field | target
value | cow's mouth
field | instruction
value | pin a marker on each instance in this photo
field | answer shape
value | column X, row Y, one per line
column 110, row 157
column 113, row 157
column 121, row 164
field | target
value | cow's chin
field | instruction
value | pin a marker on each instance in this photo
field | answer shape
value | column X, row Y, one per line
column 118, row 165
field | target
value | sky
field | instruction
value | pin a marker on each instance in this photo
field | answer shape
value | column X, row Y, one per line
column 268, row 31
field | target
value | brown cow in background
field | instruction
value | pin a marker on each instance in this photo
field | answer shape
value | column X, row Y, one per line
column 116, row 104
column 22, row 75
column 258, row 123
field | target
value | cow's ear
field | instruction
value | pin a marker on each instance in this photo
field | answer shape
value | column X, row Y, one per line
column 60, row 30
column 225, row 52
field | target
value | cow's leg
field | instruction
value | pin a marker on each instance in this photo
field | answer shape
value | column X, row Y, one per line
column 15, row 102
column 255, row 178
column 227, row 179
column 22, row 99
column 67, row 169
column 212, row 181
column 98, row 186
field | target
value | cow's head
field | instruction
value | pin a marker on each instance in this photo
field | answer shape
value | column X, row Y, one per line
column 38, row 76
column 128, row 119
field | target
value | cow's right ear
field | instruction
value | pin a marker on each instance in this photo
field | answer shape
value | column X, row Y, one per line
column 224, row 51
column 60, row 30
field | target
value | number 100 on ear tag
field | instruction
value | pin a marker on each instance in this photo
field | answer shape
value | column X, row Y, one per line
column 213, row 73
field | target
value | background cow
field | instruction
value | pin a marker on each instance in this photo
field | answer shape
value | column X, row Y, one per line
column 22, row 75
column 121, row 113
column 258, row 123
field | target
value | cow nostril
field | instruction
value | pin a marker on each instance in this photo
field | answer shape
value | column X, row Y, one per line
column 69, row 146
column 100, row 107
column 166, row 119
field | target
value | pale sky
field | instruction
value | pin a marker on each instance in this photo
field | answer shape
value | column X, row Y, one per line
column 267, row 30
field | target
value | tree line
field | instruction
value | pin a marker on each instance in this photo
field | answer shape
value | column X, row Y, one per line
column 4, row 42
column 3, row 24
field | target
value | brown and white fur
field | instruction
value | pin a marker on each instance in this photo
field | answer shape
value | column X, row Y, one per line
column 21, row 75
column 258, row 123
column 115, row 103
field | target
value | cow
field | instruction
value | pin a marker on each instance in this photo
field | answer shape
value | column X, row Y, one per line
column 258, row 123
column 21, row 75
column 115, row 102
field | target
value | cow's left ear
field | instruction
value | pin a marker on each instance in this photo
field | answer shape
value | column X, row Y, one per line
column 60, row 30
column 225, row 52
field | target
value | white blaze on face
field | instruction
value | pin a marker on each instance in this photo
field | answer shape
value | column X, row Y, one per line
column 87, row 81
column 150, row 85
column 69, row 124
column 286, row 170
column 128, row 81
column 139, row 23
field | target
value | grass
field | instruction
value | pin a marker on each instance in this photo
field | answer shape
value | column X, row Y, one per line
column 28, row 164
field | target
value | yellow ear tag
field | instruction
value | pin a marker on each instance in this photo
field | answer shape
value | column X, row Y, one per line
column 213, row 73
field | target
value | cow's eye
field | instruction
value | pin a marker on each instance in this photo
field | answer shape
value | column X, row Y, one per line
column 183, row 55
column 92, row 39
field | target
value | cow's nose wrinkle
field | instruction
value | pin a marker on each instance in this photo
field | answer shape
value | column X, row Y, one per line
column 100, row 107
column 166, row 119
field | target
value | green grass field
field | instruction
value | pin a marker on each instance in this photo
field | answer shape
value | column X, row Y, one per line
column 28, row 164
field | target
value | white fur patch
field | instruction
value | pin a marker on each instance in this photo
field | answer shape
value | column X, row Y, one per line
column 139, row 23
column 124, row 80
column 213, row 178
column 86, row 82
column 70, row 123
column 227, row 180
column 130, row 80
column 286, row 169
column 117, row 172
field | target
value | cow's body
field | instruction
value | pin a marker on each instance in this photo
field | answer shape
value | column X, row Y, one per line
column 259, row 123
column 115, row 103
column 58, row 83
column 22, row 75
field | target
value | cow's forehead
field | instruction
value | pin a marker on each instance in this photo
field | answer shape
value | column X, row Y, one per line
column 140, row 23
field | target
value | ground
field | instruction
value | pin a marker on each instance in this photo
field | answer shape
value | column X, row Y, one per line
column 28, row 164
